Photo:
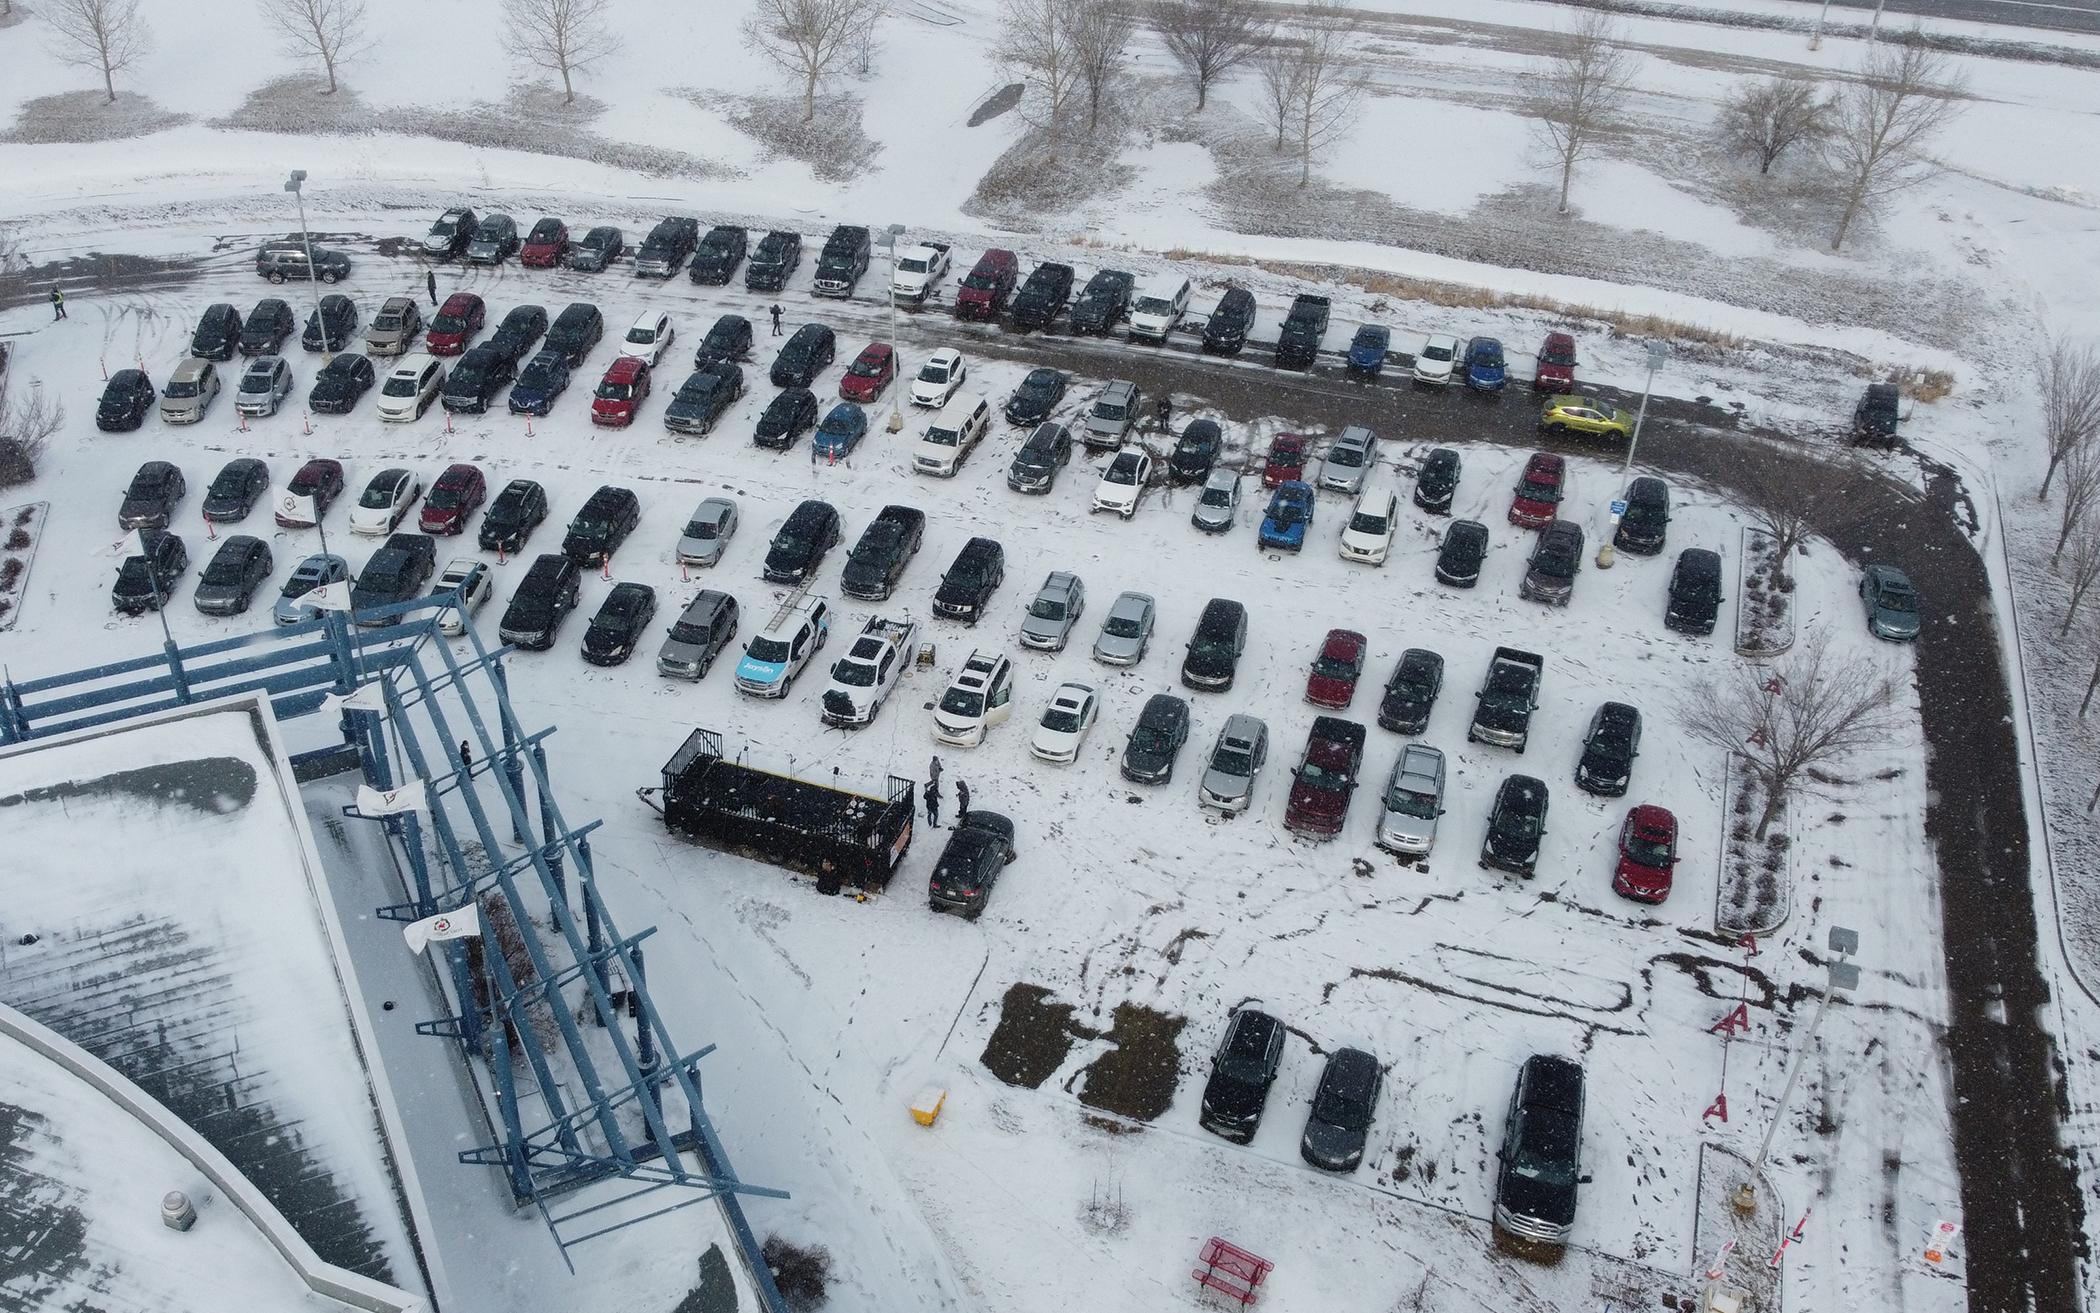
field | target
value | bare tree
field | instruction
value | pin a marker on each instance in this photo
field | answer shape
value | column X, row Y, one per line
column 10, row 248
column 1101, row 32
column 1576, row 93
column 1882, row 123
column 1765, row 119
column 1324, row 92
column 2080, row 567
column 806, row 37
column 561, row 36
column 865, row 40
column 1278, row 67
column 1208, row 38
column 1789, row 722
column 106, row 35
column 327, row 30
column 2070, row 403
column 1036, row 41
column 27, row 424
column 1792, row 504
column 2081, row 489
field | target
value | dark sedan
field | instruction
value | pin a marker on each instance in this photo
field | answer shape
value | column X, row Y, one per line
column 621, row 621
column 1342, row 1110
column 332, row 324
column 1036, row 397
column 237, row 569
column 151, row 498
column 787, row 417
column 240, row 483
column 340, row 383
column 511, row 518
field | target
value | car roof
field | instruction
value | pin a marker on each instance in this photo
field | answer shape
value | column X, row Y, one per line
column 1118, row 387
column 1699, row 560
column 1343, row 640
column 1061, row 580
column 1221, row 608
column 459, row 470
column 1243, row 728
column 959, row 407
column 1162, row 707
column 1222, row 478
column 1524, row 788
column 1648, row 816
column 190, row 370
column 1164, row 286
column 1419, row 761
column 946, row 355
column 1071, row 694
column 1544, row 461
column 625, row 369
column 413, row 363
column 459, row 301
column 1130, row 602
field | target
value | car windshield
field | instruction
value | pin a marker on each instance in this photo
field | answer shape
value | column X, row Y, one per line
column 1436, row 351
column 1488, row 357
column 1365, row 522
column 1124, row 471
column 302, row 582
column 1287, row 511
column 1333, row 667
column 1558, row 355
column 1047, row 608
column 615, row 625
column 182, row 388
column 1286, row 454
column 1320, row 777
column 1897, row 597
column 384, row 576
column 698, row 389
column 400, row 385
column 1545, row 1149
column 444, row 227
column 1517, row 825
column 864, row 367
column 1123, row 626
column 1153, row 305
column 790, row 545
column 1537, row 489
column 1421, row 806
column 133, row 571
column 943, row 437
column 768, row 649
column 1346, row 457
column 1061, row 720
column 304, row 484
column 258, row 378
column 911, row 264
column 467, row 376
column 1216, row 497
column 695, row 635
column 1110, row 410
column 225, row 570
column 704, row 530
column 1614, row 743
column 933, row 371
column 1647, row 852
column 838, row 426
column 537, row 375
column 450, row 323
column 1211, row 647
column 1232, row 761
column 613, row 391
column 1039, row 383
column 641, row 334
column 962, row 702
column 387, row 321
column 445, row 497
column 981, row 281
column 377, row 496
column 1150, row 738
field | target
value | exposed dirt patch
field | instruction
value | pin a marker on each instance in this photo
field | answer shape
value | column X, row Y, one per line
column 81, row 116
column 1033, row 1037
column 1137, row 1077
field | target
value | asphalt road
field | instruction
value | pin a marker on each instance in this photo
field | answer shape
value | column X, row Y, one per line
column 2051, row 15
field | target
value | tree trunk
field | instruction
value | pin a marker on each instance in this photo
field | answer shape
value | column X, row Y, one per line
column 109, row 82
column 1567, row 176
column 1093, row 107
column 329, row 60
column 1774, row 800
column 2090, row 686
column 1765, row 167
column 1859, row 194
column 809, row 98
column 568, row 89
column 2077, row 598
column 1202, row 91
column 2055, row 459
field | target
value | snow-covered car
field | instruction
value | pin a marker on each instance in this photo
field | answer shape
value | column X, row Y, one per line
column 1414, row 798
column 1218, row 505
column 943, row 372
column 1054, row 611
column 1235, row 760
column 385, row 502
column 410, row 388
column 471, row 580
column 1437, row 362
column 707, row 532
column 1126, row 631
column 649, row 338
column 862, row 679
column 951, row 435
column 1368, row 536
column 308, row 575
column 980, row 696
column 1072, row 712
column 1123, row 483
column 265, row 383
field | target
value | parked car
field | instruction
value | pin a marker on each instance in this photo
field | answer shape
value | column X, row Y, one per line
column 1695, row 592
column 1071, row 713
column 979, row 847
column 1437, row 483
column 1555, row 370
column 311, row 492
column 984, row 290
column 1614, row 740
column 457, row 321
column 1350, row 460
column 1367, row 350
column 1235, row 760
column 623, row 617
column 791, row 413
column 1647, row 854
column 453, row 499
column 951, row 435
column 1570, row 414
column 395, row 574
column 237, row 569
column 543, row 380
column 265, row 383
column 841, row 431
column 1157, row 307
column 1126, row 631
column 385, row 502
column 807, row 354
column 1156, row 740
column 702, row 632
column 1225, row 332
column 152, row 496
column 395, row 328
column 575, row 331
column 773, row 261
column 967, row 588
column 596, row 249
column 1037, row 396
column 1344, row 1104
column 126, row 399
column 842, row 260
column 870, row 374
column 1195, row 452
column 1459, row 558
column 191, row 389
column 666, row 247
column 720, row 251
column 705, row 396
column 1516, row 825
column 649, row 337
column 917, row 271
column 1483, row 367
column 886, row 546
column 1337, row 668
column 470, row 584
column 448, row 237
column 797, row 552
column 279, row 261
column 1645, row 526
column 602, row 525
column 340, row 384
column 1112, row 416
column 332, row 324
column 415, row 382
column 512, row 516
column 519, row 332
column 1285, row 462
column 1290, row 513
column 1368, row 536
column 267, row 327
column 1540, row 1159
column 1508, row 696
column 1325, row 779
column 937, row 380
column 707, row 532
column 1123, row 483
column 1876, row 416
column 1414, row 798
column 1411, row 691
column 146, row 581
column 1241, row 1072
column 1218, row 505
column 1891, row 603
column 1436, row 364
column 240, row 483
column 475, row 379
column 1056, row 607
column 621, row 392
column 1213, row 659
column 218, row 332
column 1304, row 327
column 1539, row 491
column 1035, row 466
column 1556, row 558
column 1043, row 295
column 314, row 572
column 980, row 696
column 1103, row 303
column 545, row 244
column 545, row 597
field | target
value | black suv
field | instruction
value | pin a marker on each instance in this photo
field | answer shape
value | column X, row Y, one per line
column 701, row 400
column 150, row 501
column 719, row 253
column 144, row 582
column 1196, row 451
column 787, row 417
column 773, row 261
column 1608, row 750
column 512, row 516
column 396, row 573
column 886, row 546
column 1036, row 396
column 1875, row 418
column 967, row 588
column 126, row 400
column 1645, row 525
column 338, row 314
column 476, row 379
column 1035, row 465
column 1410, row 694
column 979, row 848
column 1541, row 1154
column 218, row 333
column 1516, row 823
column 666, row 247
column 729, row 339
column 843, row 259
column 549, row 592
column 623, row 617
column 798, row 550
column 1048, row 287
column 1343, row 1107
column 1104, row 303
column 268, row 325
column 1465, row 547
column 1241, row 1072
column 1437, row 484
column 1213, row 661
column 520, row 331
column 576, row 330
column 340, row 383
column 804, row 357
column 1225, row 332
column 594, row 250
column 1156, row 740
column 234, row 492
column 1298, row 341
column 1556, row 558
column 1695, row 591
column 602, row 525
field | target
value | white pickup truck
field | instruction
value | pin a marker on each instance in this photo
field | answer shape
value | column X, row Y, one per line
column 920, row 269
column 862, row 679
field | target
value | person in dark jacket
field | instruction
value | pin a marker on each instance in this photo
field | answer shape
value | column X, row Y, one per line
column 1164, row 409
column 962, row 798
column 933, row 805
column 776, row 320
column 430, row 280
column 466, row 755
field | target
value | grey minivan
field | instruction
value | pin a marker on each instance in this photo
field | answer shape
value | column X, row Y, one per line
column 394, row 327
column 1235, row 759
column 191, row 389
column 1352, row 456
column 699, row 635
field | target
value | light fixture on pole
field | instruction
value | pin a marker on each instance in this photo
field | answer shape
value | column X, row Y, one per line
column 1658, row 352
column 890, row 236
column 295, row 185
column 1843, row 977
column 1815, row 38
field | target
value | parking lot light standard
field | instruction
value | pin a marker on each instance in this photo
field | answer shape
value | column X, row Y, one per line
column 294, row 185
column 1658, row 352
column 1843, row 977
column 890, row 236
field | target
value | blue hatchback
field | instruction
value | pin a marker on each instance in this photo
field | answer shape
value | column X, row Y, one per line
column 1290, row 513
column 841, row 431
column 1485, row 370
column 1367, row 349
column 545, row 377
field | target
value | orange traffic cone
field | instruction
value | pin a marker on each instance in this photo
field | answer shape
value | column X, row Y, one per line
column 308, row 423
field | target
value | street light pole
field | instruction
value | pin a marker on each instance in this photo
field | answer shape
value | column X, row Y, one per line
column 294, row 185
column 1843, row 977
column 1658, row 352
column 894, row 231
column 1815, row 38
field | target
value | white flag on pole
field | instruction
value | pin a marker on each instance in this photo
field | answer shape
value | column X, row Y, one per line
column 296, row 508
column 329, row 597
column 460, row 923
column 391, row 802
column 366, row 697
column 131, row 544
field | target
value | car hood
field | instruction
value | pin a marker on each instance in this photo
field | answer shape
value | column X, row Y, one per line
column 1434, row 368
column 1204, row 514
column 1641, row 876
column 679, row 652
column 1116, row 647
column 1219, row 784
column 1539, row 1199
column 145, row 507
column 1333, row 1146
column 1366, row 355
column 1400, row 825
column 749, row 667
column 1904, row 623
column 1329, row 688
column 1037, row 627
column 1311, row 800
column 1056, row 740
column 1291, row 531
column 1142, row 761
column 1232, row 1102
column 700, row 549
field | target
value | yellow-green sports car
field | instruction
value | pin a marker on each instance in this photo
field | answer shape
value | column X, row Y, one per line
column 1586, row 415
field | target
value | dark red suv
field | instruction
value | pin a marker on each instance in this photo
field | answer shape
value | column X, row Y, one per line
column 1335, row 671
column 983, row 294
column 1539, row 490
column 456, row 323
column 452, row 499
column 621, row 392
column 545, row 245
column 1286, row 460
column 870, row 374
column 1555, row 371
column 1325, row 778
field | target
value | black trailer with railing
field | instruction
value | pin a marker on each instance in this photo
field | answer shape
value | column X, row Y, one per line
column 839, row 836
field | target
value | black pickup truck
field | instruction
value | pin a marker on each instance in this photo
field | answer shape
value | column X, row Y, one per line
column 1502, row 714
column 1298, row 344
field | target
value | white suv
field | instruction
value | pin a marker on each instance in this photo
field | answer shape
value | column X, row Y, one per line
column 410, row 388
column 981, row 696
column 649, row 338
column 948, row 437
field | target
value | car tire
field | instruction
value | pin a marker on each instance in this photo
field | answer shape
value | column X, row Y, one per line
column 275, row 275
column 329, row 276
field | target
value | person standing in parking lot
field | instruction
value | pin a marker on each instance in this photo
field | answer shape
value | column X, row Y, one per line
column 1164, row 409
column 58, row 305
column 933, row 804
column 962, row 799
column 430, row 280
column 776, row 321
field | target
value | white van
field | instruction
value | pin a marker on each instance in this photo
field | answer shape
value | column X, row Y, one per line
column 1159, row 306
column 960, row 425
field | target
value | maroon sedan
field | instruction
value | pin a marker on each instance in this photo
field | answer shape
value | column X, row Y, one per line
column 870, row 374
column 310, row 493
column 455, row 325
column 545, row 244
column 1335, row 671
column 1286, row 461
column 452, row 499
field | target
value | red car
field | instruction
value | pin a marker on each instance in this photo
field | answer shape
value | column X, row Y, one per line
column 452, row 499
column 870, row 374
column 455, row 325
column 983, row 294
column 1647, row 851
column 310, row 493
column 621, row 392
column 1325, row 779
column 1337, row 668
column 1555, row 371
column 1286, row 460
column 1539, row 490
column 545, row 245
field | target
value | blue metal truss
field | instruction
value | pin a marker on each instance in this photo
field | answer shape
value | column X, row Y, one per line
column 565, row 1117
